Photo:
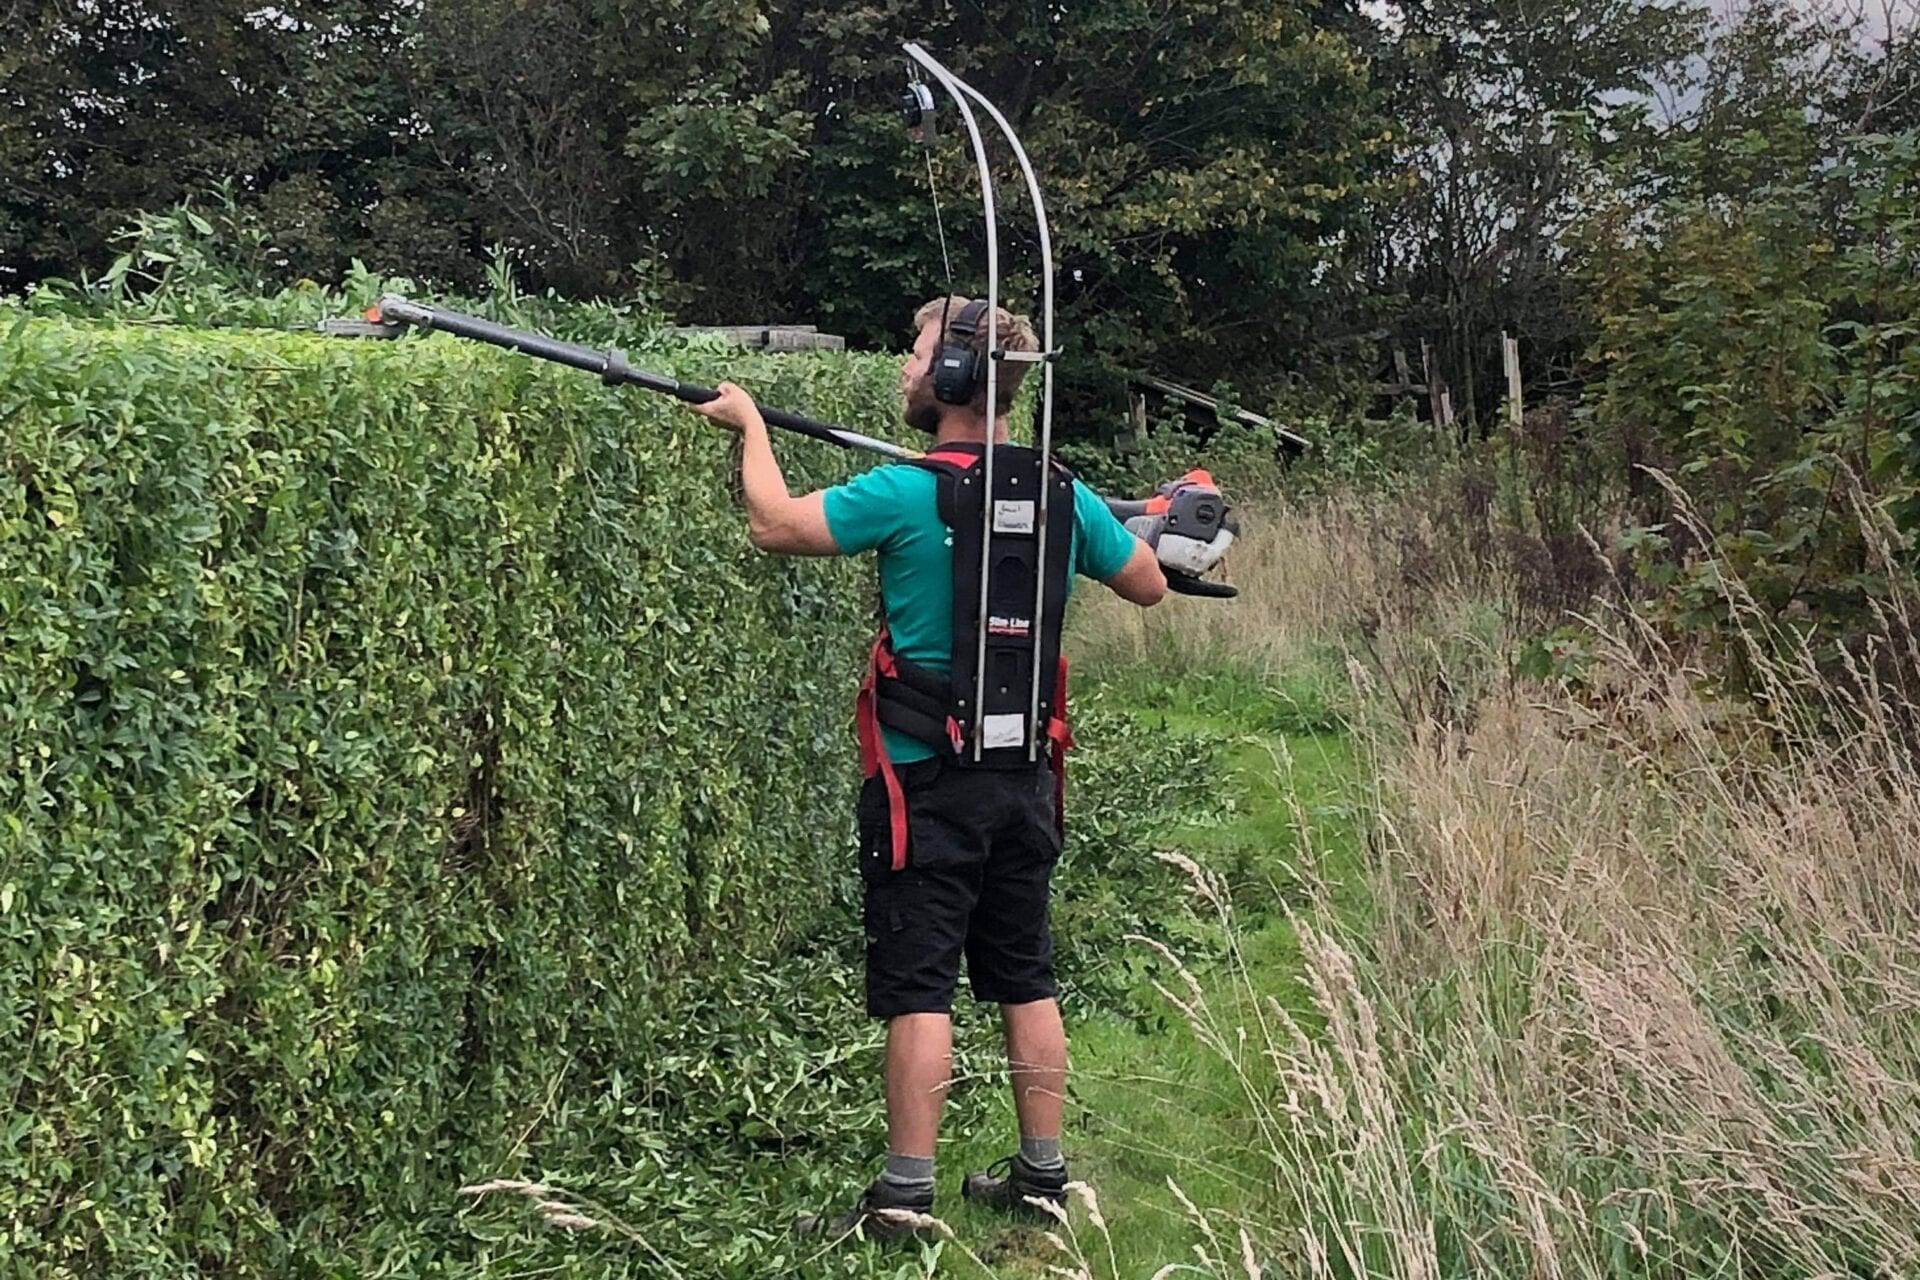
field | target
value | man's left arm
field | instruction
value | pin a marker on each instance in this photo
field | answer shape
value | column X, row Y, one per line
column 1109, row 553
column 777, row 521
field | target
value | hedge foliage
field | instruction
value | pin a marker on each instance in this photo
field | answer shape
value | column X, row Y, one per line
column 381, row 725
column 409, row 776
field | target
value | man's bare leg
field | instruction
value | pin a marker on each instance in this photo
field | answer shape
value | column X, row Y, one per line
column 1037, row 1061
column 919, row 1068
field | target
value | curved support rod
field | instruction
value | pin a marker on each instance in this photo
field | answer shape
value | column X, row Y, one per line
column 957, row 91
column 1046, row 395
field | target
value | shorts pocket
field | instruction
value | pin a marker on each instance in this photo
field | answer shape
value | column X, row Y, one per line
column 888, row 904
column 1043, row 820
column 874, row 814
column 875, row 827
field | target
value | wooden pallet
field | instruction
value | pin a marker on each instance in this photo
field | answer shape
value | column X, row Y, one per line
column 772, row 337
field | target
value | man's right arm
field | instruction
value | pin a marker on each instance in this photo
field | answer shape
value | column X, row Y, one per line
column 864, row 512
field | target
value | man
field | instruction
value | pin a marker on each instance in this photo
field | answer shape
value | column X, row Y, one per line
column 973, row 875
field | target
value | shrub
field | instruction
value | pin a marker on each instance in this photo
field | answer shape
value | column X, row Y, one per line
column 383, row 723
column 410, row 778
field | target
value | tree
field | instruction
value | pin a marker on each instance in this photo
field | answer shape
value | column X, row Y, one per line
column 1207, row 164
column 1512, row 109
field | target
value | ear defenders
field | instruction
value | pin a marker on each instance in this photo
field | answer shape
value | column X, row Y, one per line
column 956, row 365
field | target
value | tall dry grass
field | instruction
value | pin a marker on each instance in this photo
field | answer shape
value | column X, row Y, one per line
column 1639, row 988
column 1428, row 611
column 1298, row 572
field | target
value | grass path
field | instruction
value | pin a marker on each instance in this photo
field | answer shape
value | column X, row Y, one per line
column 1149, row 1103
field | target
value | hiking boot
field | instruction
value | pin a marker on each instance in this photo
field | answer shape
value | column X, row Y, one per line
column 1007, row 1184
column 879, row 1214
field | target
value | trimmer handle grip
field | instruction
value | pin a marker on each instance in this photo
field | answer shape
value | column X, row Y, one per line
column 1186, row 584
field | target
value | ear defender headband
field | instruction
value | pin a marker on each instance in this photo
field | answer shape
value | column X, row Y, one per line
column 956, row 366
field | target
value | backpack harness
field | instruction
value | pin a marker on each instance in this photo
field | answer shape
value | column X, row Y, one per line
column 1011, row 730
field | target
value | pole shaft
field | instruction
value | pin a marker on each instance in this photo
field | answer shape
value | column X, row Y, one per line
column 612, row 368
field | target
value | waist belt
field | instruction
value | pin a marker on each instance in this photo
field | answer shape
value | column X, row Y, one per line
column 915, row 700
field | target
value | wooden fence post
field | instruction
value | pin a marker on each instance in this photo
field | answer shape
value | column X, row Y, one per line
column 1439, row 398
column 1510, row 357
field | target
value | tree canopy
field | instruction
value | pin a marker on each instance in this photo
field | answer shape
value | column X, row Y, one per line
column 1253, row 191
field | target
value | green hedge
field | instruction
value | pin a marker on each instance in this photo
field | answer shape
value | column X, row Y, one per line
column 383, row 728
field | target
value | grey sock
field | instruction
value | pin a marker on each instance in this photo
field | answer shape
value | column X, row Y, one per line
column 909, row 1173
column 1042, row 1153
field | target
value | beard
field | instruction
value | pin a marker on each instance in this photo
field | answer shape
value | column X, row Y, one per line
column 922, row 411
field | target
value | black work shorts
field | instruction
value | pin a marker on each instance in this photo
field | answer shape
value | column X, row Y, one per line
column 982, row 845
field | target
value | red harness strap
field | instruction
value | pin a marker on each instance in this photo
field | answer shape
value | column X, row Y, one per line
column 873, row 746
column 1060, row 736
column 874, row 758
column 954, row 455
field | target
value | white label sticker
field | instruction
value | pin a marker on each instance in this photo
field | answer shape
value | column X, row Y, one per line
column 1003, row 731
column 1012, row 517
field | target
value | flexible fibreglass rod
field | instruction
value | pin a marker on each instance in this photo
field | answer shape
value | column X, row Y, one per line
column 952, row 86
column 1047, row 357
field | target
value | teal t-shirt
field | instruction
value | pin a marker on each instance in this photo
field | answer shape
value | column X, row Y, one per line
column 891, row 509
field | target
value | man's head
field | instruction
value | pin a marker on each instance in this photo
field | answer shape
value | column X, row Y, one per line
column 921, row 409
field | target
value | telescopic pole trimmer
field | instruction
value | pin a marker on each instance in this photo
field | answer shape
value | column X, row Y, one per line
column 393, row 314
column 611, row 365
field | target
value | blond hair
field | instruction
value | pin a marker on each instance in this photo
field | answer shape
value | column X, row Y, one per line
column 1015, row 333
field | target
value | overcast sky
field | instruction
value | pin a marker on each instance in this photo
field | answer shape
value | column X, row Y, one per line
column 1877, row 13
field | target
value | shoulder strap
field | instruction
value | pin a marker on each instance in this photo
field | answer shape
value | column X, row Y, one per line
column 956, row 455
column 948, row 463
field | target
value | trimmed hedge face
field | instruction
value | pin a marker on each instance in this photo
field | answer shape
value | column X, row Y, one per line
column 381, row 726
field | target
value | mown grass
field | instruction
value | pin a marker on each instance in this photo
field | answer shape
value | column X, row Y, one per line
column 767, row 1101
column 1151, row 1108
